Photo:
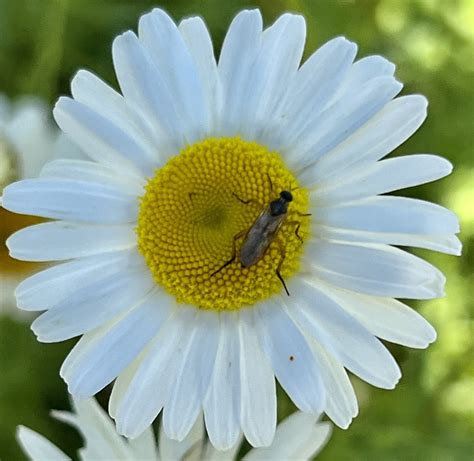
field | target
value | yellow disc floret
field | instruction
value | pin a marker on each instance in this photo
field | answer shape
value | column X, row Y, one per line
column 193, row 208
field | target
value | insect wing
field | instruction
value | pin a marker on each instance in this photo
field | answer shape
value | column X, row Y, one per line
column 259, row 237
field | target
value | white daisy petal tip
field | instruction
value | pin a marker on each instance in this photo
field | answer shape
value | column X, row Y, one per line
column 76, row 391
column 159, row 13
column 437, row 285
column 444, row 165
column 123, row 43
column 420, row 105
column 61, row 104
column 155, row 18
column 127, row 427
column 9, row 243
column 346, row 43
column 80, row 76
column 38, row 447
column 382, row 64
column 248, row 13
column 422, row 101
column 5, row 198
column 342, row 46
column 73, row 388
column 192, row 22
column 37, row 332
column 346, row 424
column 296, row 17
column 246, row 16
column 127, row 432
column 20, row 430
column 395, row 379
column 297, row 21
column 429, row 337
column 456, row 246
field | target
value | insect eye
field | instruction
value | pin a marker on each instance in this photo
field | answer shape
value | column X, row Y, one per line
column 286, row 195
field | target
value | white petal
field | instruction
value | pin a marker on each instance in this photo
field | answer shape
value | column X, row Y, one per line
column 444, row 243
column 161, row 38
column 319, row 134
column 101, row 139
column 311, row 89
column 199, row 43
column 148, row 391
column 390, row 214
column 99, row 358
column 70, row 200
column 50, row 286
column 298, row 437
column 60, row 240
column 144, row 87
column 361, row 72
column 82, row 170
column 382, row 177
column 37, row 447
column 222, row 402
column 192, row 380
column 344, row 336
column 386, row 318
column 97, row 429
column 172, row 450
column 123, row 381
column 213, row 454
column 238, row 55
column 392, row 126
column 276, row 64
column 91, row 91
column 64, row 148
column 144, row 447
column 91, row 306
column 257, row 384
column 291, row 358
column 378, row 270
column 341, row 401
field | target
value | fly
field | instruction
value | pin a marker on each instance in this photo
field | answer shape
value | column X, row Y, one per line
column 260, row 235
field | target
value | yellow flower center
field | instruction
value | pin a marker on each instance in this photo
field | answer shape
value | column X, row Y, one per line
column 193, row 209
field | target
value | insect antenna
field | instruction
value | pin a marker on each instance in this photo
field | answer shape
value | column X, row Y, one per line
column 271, row 184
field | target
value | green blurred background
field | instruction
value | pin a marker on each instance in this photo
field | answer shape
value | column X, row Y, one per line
column 430, row 416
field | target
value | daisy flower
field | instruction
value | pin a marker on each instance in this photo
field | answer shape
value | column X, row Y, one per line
column 299, row 437
column 229, row 228
column 28, row 139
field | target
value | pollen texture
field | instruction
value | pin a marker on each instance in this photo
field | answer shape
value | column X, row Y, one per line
column 192, row 209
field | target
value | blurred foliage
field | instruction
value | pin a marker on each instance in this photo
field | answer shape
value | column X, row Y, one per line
column 430, row 416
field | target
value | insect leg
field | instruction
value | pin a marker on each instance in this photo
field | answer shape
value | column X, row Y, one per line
column 246, row 202
column 303, row 214
column 298, row 225
column 282, row 258
column 234, row 252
